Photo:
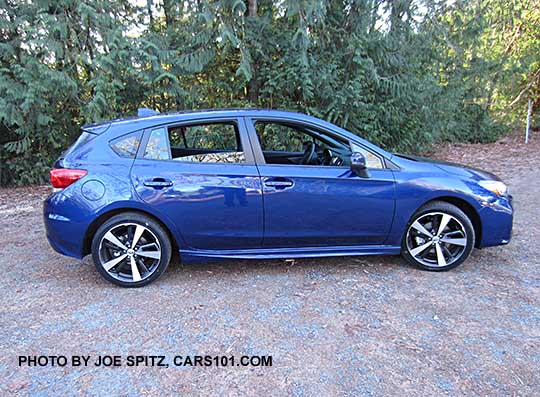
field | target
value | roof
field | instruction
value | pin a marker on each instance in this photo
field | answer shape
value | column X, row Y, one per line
column 163, row 118
column 127, row 125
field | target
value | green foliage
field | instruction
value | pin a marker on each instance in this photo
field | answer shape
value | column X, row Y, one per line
column 402, row 73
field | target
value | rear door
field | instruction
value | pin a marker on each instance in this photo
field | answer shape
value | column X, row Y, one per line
column 201, row 174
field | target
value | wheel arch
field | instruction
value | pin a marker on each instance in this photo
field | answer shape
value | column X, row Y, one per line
column 108, row 214
column 468, row 209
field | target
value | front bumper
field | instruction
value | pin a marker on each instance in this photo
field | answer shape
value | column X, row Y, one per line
column 497, row 219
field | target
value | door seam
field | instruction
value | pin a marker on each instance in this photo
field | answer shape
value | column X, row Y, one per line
column 248, row 131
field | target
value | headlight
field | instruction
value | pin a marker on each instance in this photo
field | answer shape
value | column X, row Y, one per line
column 497, row 187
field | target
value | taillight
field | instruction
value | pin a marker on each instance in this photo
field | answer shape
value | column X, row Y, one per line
column 63, row 177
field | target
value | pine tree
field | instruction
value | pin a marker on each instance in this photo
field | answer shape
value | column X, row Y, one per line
column 402, row 73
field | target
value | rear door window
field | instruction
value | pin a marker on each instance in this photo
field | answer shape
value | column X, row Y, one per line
column 197, row 143
column 157, row 147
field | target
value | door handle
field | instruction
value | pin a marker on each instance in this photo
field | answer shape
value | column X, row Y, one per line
column 158, row 182
column 279, row 183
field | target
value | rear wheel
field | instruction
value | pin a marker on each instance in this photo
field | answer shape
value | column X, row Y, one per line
column 439, row 237
column 131, row 250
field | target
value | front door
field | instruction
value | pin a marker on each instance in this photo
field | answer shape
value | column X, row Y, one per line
column 202, row 176
column 311, row 198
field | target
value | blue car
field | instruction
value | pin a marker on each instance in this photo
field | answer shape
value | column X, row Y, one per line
column 248, row 184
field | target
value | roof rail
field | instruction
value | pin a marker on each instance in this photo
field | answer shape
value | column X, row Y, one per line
column 145, row 112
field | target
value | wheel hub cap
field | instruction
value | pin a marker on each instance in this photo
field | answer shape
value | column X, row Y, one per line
column 130, row 252
column 436, row 239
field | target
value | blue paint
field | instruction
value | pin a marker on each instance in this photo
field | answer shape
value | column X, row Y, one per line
column 225, row 210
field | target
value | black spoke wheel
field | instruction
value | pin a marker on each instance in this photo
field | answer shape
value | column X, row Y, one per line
column 131, row 250
column 439, row 237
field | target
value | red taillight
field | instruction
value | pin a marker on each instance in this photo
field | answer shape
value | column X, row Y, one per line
column 63, row 177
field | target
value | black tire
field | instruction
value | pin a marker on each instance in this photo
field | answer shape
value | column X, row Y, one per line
column 459, row 229
column 150, row 256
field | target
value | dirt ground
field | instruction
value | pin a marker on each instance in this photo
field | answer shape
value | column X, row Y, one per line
column 340, row 326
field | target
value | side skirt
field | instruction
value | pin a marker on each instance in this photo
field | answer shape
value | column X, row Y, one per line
column 284, row 253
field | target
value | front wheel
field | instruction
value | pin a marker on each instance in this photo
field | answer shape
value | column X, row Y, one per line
column 438, row 237
column 131, row 250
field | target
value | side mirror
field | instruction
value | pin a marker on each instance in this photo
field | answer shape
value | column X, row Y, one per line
column 358, row 165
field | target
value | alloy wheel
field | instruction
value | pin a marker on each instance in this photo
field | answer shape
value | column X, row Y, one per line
column 129, row 252
column 436, row 239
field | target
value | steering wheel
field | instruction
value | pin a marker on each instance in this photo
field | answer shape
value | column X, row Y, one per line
column 309, row 153
column 327, row 157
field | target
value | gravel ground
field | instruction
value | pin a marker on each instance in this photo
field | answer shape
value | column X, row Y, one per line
column 340, row 326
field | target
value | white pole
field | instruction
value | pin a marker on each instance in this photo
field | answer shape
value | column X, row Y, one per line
column 528, row 122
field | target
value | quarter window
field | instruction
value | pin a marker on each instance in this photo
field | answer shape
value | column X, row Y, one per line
column 127, row 145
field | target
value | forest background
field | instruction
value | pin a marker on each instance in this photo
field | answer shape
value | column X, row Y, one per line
column 405, row 74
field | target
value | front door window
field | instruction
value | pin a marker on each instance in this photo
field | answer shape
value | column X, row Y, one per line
column 290, row 144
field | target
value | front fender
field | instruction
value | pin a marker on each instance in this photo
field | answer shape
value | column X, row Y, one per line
column 412, row 193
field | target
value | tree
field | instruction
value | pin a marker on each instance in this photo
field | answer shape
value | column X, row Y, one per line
column 402, row 73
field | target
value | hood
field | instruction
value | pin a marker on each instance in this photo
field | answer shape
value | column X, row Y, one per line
column 454, row 168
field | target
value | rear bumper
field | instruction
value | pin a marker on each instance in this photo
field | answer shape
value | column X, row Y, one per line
column 65, row 235
column 497, row 219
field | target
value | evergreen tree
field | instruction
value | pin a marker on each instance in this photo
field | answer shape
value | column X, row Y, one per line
column 402, row 73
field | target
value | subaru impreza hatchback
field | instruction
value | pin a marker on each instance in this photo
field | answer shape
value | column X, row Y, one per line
column 248, row 184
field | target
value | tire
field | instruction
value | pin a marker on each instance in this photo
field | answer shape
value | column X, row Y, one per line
column 123, row 264
column 454, row 243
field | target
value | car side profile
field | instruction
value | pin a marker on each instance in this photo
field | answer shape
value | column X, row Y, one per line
column 247, row 184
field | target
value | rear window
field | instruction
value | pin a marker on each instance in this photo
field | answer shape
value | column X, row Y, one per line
column 82, row 140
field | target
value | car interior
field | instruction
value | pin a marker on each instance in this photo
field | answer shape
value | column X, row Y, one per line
column 206, row 143
column 281, row 143
column 215, row 143
column 294, row 144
